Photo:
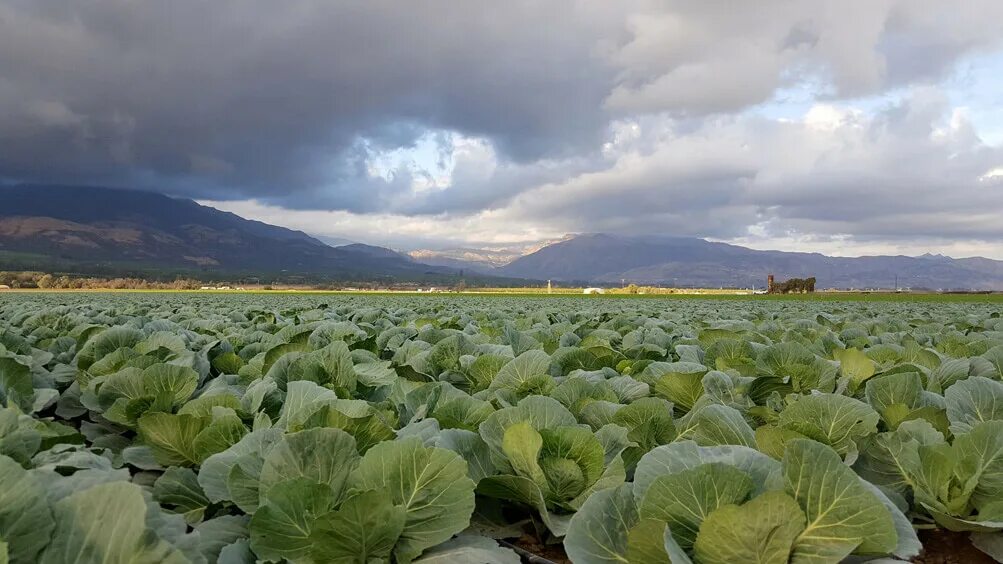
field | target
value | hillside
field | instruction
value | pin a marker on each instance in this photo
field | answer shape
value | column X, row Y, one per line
column 685, row 261
column 103, row 231
column 111, row 231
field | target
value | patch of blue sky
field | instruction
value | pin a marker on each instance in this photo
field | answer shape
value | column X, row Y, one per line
column 794, row 101
column 976, row 85
column 429, row 158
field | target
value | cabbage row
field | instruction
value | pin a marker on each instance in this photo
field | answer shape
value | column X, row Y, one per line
column 430, row 429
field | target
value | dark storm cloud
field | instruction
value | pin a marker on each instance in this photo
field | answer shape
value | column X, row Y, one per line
column 270, row 99
column 287, row 102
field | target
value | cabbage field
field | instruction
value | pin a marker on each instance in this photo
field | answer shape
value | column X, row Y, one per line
column 462, row 429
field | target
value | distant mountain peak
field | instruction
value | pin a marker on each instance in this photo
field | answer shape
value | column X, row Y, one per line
column 673, row 260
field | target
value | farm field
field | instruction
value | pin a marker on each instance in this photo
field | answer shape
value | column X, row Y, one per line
column 237, row 428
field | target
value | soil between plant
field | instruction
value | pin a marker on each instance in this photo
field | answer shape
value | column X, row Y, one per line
column 939, row 547
column 552, row 552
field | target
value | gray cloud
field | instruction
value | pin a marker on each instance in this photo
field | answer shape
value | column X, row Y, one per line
column 911, row 176
column 267, row 99
column 628, row 116
column 689, row 57
column 914, row 169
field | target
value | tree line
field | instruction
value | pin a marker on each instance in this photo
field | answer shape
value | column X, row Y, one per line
column 794, row 286
column 49, row 281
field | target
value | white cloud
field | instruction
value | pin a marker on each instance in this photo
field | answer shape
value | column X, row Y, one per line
column 994, row 175
column 909, row 178
column 481, row 229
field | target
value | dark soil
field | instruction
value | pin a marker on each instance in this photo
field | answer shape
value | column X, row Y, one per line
column 945, row 547
column 549, row 552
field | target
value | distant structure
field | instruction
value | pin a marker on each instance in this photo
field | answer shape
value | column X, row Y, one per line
column 593, row 291
column 769, row 284
column 550, row 288
column 792, row 286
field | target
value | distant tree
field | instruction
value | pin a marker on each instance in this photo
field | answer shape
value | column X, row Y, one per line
column 46, row 281
column 185, row 284
column 795, row 285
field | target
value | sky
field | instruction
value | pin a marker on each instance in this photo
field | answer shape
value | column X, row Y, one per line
column 849, row 128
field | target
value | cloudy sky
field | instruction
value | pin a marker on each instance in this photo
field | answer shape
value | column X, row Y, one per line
column 856, row 127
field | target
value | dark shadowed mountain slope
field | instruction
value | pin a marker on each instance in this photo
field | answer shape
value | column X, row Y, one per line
column 685, row 261
column 102, row 230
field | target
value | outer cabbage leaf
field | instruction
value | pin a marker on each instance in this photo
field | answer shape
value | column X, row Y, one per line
column 716, row 424
column 679, row 382
column 685, row 455
column 215, row 470
column 540, row 411
column 25, row 519
column 855, row 365
column 832, row 419
column 106, row 523
column 469, row 549
column 843, row 515
column 179, row 488
column 609, row 530
column 322, row 455
column 761, row 531
column 796, row 364
column 430, row 483
column 172, row 437
column 525, row 375
column 972, row 401
column 282, row 526
column 684, row 499
column 365, row 528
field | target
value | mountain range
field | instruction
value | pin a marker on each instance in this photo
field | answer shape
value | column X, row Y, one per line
column 115, row 232
column 104, row 231
column 687, row 261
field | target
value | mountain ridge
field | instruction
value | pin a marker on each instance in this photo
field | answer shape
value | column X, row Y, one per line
column 95, row 230
column 690, row 261
column 111, row 231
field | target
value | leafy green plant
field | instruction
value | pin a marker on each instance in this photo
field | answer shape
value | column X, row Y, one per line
column 733, row 504
column 399, row 428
